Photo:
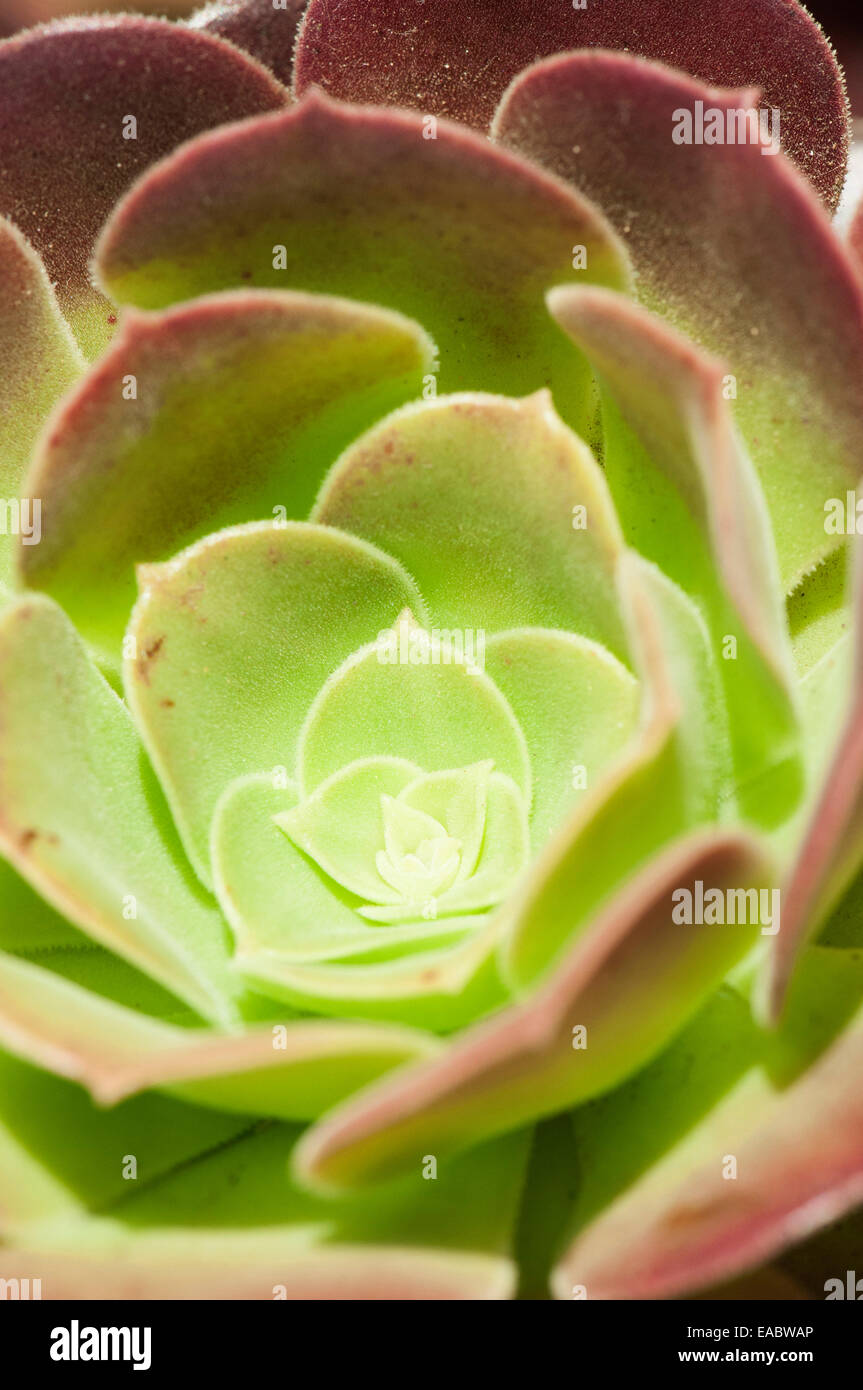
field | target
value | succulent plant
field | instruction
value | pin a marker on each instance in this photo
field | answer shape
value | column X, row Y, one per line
column 431, row 784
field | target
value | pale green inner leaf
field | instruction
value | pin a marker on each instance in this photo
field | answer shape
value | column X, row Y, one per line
column 410, row 696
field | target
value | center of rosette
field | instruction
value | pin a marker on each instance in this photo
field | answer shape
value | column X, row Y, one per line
column 420, row 859
column 410, row 845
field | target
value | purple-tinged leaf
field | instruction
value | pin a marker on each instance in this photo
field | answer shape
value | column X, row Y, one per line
column 85, row 106
column 377, row 206
column 226, row 410
column 630, row 981
column 39, row 360
column 456, row 59
column 264, row 29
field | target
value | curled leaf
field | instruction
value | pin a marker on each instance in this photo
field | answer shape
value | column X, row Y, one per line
column 729, row 244
column 630, row 981
column 377, row 206
column 39, row 360
column 226, row 410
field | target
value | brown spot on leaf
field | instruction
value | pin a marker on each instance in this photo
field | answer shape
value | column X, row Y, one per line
column 149, row 655
column 28, row 837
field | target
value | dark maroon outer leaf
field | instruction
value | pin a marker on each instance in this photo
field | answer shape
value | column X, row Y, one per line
column 257, row 26
column 455, row 58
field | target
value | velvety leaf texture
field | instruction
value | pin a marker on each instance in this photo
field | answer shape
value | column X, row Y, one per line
column 728, row 243
column 460, row 235
column 457, row 60
column 265, row 30
column 67, row 157
column 431, row 653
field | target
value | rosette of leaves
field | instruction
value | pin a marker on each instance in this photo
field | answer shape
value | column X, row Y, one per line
column 416, row 585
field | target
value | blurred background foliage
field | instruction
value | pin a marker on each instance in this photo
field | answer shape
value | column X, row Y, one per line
column 20, row 14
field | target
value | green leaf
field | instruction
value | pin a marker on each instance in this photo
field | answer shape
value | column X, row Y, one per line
column 690, row 501
column 669, row 779
column 83, row 823
column 39, row 360
column 499, row 512
column 418, row 853
column 411, row 694
column 457, row 799
column 219, row 685
column 623, row 991
column 341, row 825
column 30, row 1192
column 504, row 854
column 229, row 1225
column 226, row 410
column 359, row 202
column 280, row 904
column 290, row 1070
column 441, row 987
column 108, row 976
